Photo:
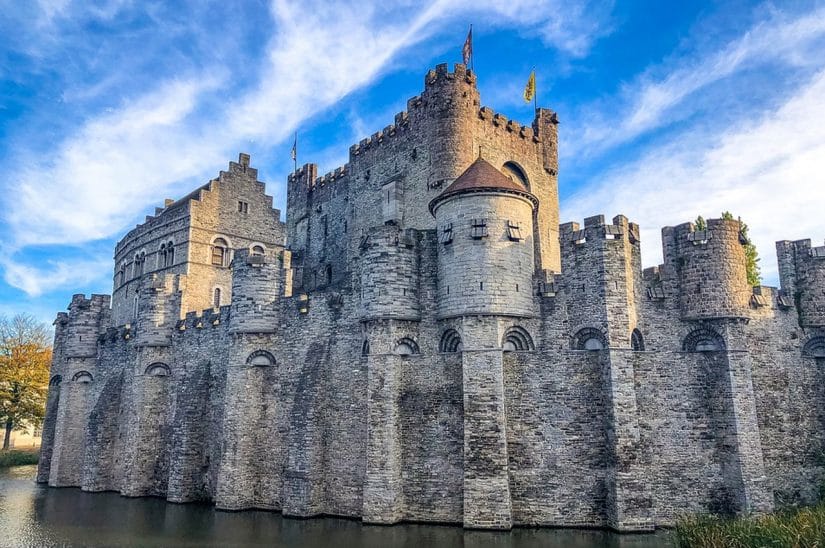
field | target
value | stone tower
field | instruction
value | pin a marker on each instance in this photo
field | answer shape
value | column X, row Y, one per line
column 485, row 279
column 252, row 402
column 78, row 372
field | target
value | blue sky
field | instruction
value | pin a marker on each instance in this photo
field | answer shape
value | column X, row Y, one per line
column 668, row 110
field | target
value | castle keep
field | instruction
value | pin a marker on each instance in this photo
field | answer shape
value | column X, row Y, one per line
column 422, row 340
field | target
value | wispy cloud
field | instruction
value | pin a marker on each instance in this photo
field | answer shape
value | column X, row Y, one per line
column 35, row 281
column 659, row 96
column 114, row 162
column 768, row 170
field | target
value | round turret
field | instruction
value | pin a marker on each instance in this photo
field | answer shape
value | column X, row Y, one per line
column 154, row 318
column 712, row 269
column 389, row 274
column 485, row 244
column 83, row 325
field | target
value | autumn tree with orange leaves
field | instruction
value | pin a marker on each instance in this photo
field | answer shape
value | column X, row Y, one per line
column 25, row 356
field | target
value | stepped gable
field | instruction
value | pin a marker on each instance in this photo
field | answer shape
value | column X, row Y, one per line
column 481, row 176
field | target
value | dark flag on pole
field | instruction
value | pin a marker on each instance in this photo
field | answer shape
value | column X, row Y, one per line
column 294, row 152
column 467, row 50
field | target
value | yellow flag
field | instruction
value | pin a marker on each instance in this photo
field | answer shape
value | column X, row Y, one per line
column 530, row 88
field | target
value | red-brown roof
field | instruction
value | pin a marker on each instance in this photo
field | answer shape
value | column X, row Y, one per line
column 480, row 176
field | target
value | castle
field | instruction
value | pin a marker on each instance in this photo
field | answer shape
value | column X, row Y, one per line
column 421, row 340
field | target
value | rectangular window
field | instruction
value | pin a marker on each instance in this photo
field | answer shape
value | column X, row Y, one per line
column 656, row 293
column 447, row 234
column 217, row 255
column 243, row 207
column 514, row 231
column 479, row 229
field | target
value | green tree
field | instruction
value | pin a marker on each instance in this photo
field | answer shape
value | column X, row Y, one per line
column 25, row 355
column 752, row 256
column 700, row 223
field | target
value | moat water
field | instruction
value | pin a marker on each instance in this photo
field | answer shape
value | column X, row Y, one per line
column 37, row 516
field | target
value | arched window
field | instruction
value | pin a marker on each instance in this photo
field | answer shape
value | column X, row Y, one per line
column 260, row 358
column 220, row 252
column 140, row 258
column 135, row 308
column 589, row 338
column 56, row 380
column 703, row 340
column 328, row 274
column 517, row 339
column 450, row 341
column 162, row 256
column 406, row 347
column 815, row 348
column 637, row 342
column 83, row 377
column 516, row 173
column 365, row 348
column 216, row 298
column 257, row 250
column 158, row 369
column 170, row 254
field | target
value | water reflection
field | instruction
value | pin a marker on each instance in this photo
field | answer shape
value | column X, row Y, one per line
column 33, row 515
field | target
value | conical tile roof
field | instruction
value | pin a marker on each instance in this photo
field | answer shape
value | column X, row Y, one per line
column 481, row 176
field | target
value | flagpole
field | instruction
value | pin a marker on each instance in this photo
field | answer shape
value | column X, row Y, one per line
column 295, row 153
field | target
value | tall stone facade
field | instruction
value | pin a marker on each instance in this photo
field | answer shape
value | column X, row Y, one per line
column 421, row 340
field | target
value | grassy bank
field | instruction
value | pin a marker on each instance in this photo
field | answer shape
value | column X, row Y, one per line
column 18, row 457
column 797, row 528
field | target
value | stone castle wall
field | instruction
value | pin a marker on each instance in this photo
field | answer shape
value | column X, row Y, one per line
column 339, row 378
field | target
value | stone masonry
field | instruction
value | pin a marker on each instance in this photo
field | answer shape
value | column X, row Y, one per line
column 421, row 340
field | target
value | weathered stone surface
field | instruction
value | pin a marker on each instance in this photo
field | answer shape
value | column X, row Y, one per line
column 359, row 361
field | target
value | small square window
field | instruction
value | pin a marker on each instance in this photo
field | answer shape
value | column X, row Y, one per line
column 479, row 229
column 656, row 293
column 514, row 231
column 447, row 234
column 243, row 207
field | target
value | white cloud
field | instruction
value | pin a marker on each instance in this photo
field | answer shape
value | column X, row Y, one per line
column 651, row 100
column 115, row 162
column 35, row 281
column 767, row 170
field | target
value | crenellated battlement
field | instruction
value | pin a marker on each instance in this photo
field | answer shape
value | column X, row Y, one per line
column 499, row 120
column 330, row 177
column 402, row 123
column 596, row 230
column 440, row 76
column 95, row 301
column 205, row 319
column 305, row 175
